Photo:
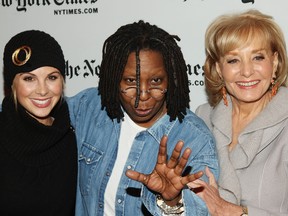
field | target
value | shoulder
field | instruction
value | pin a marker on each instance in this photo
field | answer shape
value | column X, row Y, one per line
column 196, row 123
column 85, row 103
column 85, row 95
column 203, row 110
column 195, row 134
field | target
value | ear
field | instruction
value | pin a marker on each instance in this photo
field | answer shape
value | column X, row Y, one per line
column 275, row 64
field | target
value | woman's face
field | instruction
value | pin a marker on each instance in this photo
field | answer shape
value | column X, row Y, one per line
column 248, row 72
column 153, row 78
column 39, row 91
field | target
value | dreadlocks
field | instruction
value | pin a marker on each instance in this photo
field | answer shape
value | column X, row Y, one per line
column 133, row 38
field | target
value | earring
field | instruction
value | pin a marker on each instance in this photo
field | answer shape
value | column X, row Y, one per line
column 224, row 96
column 274, row 88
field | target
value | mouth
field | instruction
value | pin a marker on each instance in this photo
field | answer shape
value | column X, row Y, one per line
column 248, row 84
column 143, row 112
column 41, row 103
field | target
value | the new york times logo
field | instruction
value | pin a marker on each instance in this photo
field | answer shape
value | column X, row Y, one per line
column 248, row 1
column 22, row 5
column 88, row 69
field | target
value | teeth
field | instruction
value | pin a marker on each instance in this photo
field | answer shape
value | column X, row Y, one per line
column 41, row 101
column 247, row 83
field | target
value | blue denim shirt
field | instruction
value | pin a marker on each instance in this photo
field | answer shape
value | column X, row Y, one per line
column 98, row 137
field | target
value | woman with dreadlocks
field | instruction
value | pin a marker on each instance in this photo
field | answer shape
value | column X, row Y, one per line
column 143, row 95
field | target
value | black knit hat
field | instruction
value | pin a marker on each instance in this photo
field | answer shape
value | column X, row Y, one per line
column 28, row 51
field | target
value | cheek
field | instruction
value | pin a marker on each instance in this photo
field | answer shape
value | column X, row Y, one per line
column 22, row 92
column 160, row 103
column 21, row 96
column 56, row 88
column 270, row 71
column 125, row 101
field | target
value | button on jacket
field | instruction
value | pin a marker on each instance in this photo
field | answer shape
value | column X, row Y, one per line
column 98, row 137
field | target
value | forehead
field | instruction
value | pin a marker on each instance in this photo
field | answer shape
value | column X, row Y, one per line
column 254, row 44
column 148, row 61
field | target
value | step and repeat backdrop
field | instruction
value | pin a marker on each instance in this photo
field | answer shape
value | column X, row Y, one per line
column 81, row 27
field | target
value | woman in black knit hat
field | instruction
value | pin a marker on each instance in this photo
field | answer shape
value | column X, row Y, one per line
column 38, row 153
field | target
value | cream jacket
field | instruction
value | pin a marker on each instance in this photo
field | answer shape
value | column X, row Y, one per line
column 255, row 172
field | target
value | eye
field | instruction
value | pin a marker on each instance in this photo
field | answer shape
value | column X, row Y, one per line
column 156, row 81
column 232, row 61
column 28, row 78
column 259, row 57
column 53, row 77
column 130, row 81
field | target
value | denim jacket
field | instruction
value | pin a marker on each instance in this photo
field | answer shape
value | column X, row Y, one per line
column 98, row 137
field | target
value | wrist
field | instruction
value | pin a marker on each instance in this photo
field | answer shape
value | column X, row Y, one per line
column 170, row 207
column 172, row 202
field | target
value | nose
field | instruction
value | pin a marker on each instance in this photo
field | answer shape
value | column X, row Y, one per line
column 144, row 93
column 42, row 88
column 247, row 69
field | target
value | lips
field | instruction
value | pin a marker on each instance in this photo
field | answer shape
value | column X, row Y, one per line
column 248, row 84
column 41, row 103
column 143, row 112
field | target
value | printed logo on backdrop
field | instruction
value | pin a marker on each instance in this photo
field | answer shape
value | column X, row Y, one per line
column 196, row 73
column 60, row 7
column 248, row 1
column 91, row 69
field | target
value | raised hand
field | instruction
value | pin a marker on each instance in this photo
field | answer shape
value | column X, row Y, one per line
column 166, row 178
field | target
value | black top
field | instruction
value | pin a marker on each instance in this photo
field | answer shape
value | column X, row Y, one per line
column 38, row 163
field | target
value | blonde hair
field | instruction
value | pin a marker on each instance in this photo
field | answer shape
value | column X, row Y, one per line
column 228, row 32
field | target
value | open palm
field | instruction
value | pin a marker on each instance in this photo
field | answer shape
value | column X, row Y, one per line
column 166, row 178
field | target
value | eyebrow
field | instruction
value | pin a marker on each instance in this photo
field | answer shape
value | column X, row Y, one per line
column 253, row 51
column 32, row 74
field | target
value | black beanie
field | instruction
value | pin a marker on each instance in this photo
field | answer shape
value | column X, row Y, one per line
column 28, row 51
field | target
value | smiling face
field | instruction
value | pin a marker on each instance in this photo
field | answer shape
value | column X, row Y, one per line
column 248, row 72
column 152, row 75
column 39, row 91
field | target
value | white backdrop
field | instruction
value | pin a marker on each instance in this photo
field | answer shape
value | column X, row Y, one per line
column 81, row 26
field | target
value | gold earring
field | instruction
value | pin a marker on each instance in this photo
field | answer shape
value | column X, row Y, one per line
column 274, row 88
column 224, row 96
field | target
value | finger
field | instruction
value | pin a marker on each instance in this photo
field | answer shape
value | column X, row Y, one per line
column 191, row 177
column 162, row 153
column 211, row 177
column 195, row 184
column 173, row 161
column 140, row 177
column 182, row 162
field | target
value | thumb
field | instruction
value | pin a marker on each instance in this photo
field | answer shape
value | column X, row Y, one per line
column 211, row 177
column 136, row 176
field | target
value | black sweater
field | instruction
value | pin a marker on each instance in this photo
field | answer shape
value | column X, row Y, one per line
column 38, row 163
